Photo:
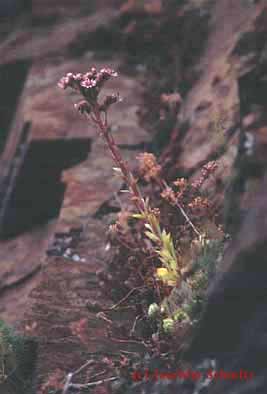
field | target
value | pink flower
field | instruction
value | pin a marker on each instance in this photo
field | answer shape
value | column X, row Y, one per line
column 78, row 77
column 88, row 83
column 66, row 81
column 89, row 80
column 108, row 72
column 63, row 83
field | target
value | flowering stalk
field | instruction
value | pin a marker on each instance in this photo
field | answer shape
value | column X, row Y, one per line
column 89, row 86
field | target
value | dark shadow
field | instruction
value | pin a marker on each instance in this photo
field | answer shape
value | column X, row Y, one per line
column 253, row 90
column 105, row 209
column 12, row 80
column 38, row 192
column 10, row 9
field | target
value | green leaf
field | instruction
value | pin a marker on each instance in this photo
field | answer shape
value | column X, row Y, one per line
column 138, row 216
column 154, row 223
column 165, row 254
column 173, row 264
column 152, row 236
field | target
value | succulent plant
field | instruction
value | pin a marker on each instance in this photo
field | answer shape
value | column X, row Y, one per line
column 153, row 310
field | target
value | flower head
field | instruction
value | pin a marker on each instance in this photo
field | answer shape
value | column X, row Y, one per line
column 78, row 77
column 199, row 206
column 67, row 81
column 169, row 195
column 148, row 166
column 209, row 168
column 89, row 83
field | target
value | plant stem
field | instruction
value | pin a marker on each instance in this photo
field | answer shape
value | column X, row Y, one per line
column 119, row 161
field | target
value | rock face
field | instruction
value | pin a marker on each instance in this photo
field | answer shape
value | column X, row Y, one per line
column 47, row 142
column 211, row 108
column 55, row 174
column 234, row 322
column 233, row 327
column 225, row 113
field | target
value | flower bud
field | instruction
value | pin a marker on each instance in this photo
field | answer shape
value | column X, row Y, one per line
column 109, row 100
column 83, row 107
column 78, row 77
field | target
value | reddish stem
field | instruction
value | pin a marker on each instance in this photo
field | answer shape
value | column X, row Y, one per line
column 116, row 155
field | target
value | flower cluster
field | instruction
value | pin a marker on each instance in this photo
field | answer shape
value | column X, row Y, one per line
column 199, row 206
column 182, row 186
column 187, row 197
column 209, row 168
column 88, row 84
column 206, row 171
column 169, row 195
column 91, row 79
column 148, row 167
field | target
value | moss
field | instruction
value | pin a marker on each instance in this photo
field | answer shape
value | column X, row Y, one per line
column 17, row 361
column 205, row 271
column 209, row 256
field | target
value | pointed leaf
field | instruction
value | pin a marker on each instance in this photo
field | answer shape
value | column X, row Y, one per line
column 149, row 227
column 151, row 236
column 137, row 216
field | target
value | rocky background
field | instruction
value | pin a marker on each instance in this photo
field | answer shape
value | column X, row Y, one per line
column 57, row 186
